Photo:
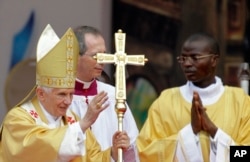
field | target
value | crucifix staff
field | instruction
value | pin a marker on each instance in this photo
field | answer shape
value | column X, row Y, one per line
column 120, row 59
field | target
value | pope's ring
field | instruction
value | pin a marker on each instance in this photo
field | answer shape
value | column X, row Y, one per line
column 98, row 105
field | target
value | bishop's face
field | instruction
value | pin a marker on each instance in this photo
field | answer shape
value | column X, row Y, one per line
column 88, row 68
column 56, row 101
column 198, row 64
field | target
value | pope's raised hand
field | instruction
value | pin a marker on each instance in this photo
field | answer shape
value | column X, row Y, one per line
column 95, row 107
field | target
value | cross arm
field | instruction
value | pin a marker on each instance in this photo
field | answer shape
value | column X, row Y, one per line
column 105, row 58
column 136, row 60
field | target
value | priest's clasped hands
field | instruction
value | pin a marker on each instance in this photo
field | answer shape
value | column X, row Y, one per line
column 200, row 121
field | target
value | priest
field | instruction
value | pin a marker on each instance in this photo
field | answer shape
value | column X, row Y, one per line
column 198, row 121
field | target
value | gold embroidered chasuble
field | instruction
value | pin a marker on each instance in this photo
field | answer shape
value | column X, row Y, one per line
column 26, row 139
column 170, row 113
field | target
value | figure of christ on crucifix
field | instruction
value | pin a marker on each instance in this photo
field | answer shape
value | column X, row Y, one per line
column 120, row 59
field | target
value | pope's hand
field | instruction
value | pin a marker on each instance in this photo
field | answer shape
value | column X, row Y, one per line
column 96, row 106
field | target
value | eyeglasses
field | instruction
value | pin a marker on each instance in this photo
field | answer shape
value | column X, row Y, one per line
column 192, row 58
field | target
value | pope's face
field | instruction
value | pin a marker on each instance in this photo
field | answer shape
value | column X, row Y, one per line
column 56, row 101
column 88, row 68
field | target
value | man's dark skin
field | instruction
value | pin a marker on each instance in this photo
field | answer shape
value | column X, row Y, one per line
column 202, row 73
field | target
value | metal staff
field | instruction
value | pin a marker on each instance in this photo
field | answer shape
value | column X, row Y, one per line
column 120, row 59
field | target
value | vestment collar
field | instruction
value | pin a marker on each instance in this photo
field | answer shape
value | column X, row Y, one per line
column 51, row 119
column 208, row 95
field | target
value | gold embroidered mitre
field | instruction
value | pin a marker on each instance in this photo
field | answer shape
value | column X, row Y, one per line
column 56, row 59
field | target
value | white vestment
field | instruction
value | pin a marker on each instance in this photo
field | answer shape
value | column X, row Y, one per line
column 107, row 123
